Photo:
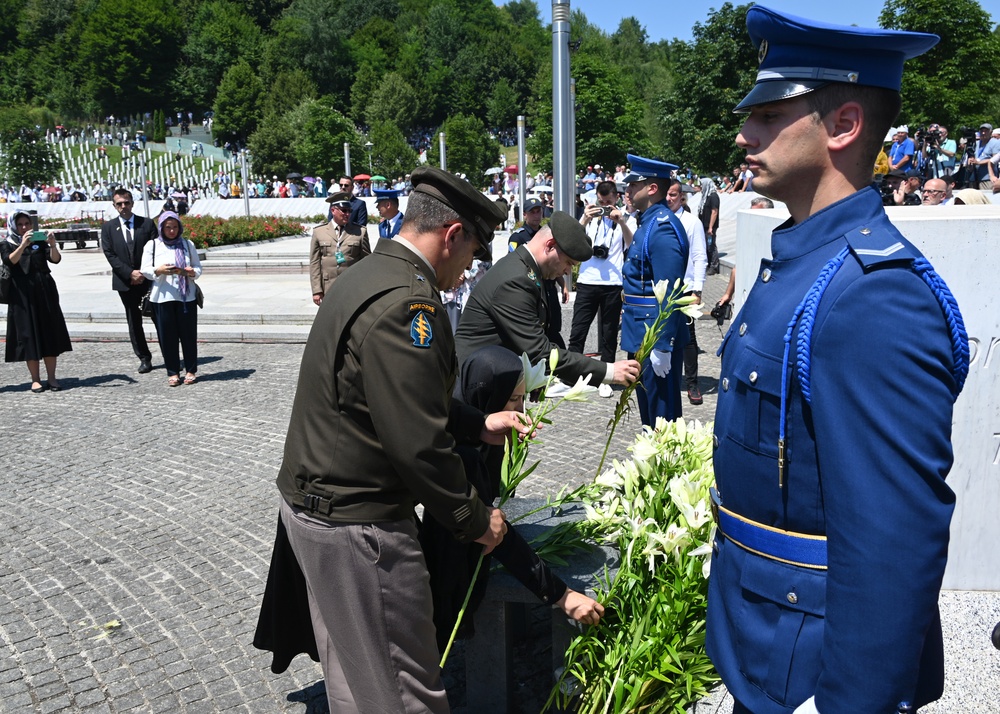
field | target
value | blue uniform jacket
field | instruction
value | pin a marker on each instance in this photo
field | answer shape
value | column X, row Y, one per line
column 867, row 461
column 659, row 251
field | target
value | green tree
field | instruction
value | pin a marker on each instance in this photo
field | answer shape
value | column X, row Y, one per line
column 237, row 104
column 269, row 148
column 24, row 155
column 320, row 133
column 310, row 36
column 609, row 118
column 289, row 89
column 503, row 105
column 220, row 34
column 713, row 73
column 952, row 84
column 365, row 83
column 127, row 51
column 159, row 126
column 392, row 156
column 468, row 148
column 393, row 101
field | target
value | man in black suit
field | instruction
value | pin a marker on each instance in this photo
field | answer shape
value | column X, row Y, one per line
column 122, row 240
column 359, row 209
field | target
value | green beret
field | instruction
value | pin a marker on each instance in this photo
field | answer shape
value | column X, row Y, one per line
column 461, row 196
column 570, row 236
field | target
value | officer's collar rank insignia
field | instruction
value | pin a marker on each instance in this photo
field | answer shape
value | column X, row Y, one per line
column 421, row 330
column 532, row 277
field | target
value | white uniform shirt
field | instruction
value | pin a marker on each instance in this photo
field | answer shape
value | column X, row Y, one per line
column 603, row 271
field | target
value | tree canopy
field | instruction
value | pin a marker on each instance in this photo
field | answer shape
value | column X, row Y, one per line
column 417, row 64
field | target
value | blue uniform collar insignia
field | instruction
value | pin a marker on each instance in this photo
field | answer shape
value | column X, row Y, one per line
column 421, row 330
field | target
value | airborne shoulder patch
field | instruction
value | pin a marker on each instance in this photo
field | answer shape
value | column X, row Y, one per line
column 421, row 331
column 425, row 306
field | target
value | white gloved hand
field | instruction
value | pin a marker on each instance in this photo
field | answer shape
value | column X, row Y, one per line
column 660, row 362
column 807, row 707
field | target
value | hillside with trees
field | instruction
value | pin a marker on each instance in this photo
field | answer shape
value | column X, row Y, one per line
column 295, row 79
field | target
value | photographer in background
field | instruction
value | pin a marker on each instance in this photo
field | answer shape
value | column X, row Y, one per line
column 986, row 148
column 944, row 162
column 599, row 285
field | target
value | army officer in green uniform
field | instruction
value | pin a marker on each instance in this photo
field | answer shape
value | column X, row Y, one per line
column 335, row 246
column 369, row 437
column 508, row 306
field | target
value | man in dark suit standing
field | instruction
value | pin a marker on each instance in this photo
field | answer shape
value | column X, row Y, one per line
column 359, row 209
column 122, row 240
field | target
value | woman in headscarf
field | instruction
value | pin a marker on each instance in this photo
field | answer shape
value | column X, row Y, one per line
column 36, row 329
column 491, row 380
column 171, row 262
column 708, row 212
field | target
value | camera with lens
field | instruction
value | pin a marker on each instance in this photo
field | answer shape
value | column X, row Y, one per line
column 721, row 312
column 601, row 251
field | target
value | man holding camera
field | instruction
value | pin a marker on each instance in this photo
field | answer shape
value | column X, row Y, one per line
column 945, row 148
column 599, row 284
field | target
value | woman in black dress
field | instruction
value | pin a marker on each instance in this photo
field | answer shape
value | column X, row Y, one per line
column 36, row 329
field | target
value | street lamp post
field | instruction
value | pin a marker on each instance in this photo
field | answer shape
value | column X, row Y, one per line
column 368, row 148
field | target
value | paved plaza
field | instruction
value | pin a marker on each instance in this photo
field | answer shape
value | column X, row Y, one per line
column 138, row 519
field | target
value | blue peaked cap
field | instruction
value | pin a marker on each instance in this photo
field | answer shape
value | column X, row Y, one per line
column 382, row 194
column 643, row 169
column 797, row 55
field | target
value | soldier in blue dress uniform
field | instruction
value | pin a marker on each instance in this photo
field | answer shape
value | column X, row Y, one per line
column 659, row 251
column 387, row 203
column 833, row 429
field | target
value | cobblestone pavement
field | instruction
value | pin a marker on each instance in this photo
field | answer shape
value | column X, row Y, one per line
column 138, row 521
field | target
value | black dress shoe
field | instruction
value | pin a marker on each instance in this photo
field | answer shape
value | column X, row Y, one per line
column 53, row 387
column 694, row 395
column 145, row 365
column 39, row 389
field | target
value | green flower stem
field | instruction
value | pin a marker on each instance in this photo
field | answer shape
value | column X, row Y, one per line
column 461, row 613
column 649, row 340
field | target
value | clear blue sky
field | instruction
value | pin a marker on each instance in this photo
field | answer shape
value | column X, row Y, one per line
column 668, row 20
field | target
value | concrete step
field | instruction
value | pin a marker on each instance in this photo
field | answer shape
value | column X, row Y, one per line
column 236, row 332
column 204, row 318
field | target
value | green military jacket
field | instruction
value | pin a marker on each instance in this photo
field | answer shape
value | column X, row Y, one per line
column 508, row 308
column 369, row 432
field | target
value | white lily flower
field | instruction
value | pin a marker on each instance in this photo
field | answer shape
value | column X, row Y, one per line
column 553, row 359
column 581, row 391
column 660, row 291
column 534, row 375
column 692, row 310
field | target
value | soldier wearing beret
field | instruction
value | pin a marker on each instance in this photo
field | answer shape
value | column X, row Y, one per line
column 508, row 306
column 659, row 251
column 369, row 437
column 833, row 425
column 335, row 246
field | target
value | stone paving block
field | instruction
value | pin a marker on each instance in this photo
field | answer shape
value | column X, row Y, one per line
column 88, row 698
column 59, row 703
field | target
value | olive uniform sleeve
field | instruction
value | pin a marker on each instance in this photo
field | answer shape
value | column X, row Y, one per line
column 514, row 306
column 408, row 357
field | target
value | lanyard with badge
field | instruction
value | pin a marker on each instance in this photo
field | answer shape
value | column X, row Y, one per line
column 339, row 255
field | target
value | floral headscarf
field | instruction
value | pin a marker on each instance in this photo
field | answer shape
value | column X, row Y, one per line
column 178, row 244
